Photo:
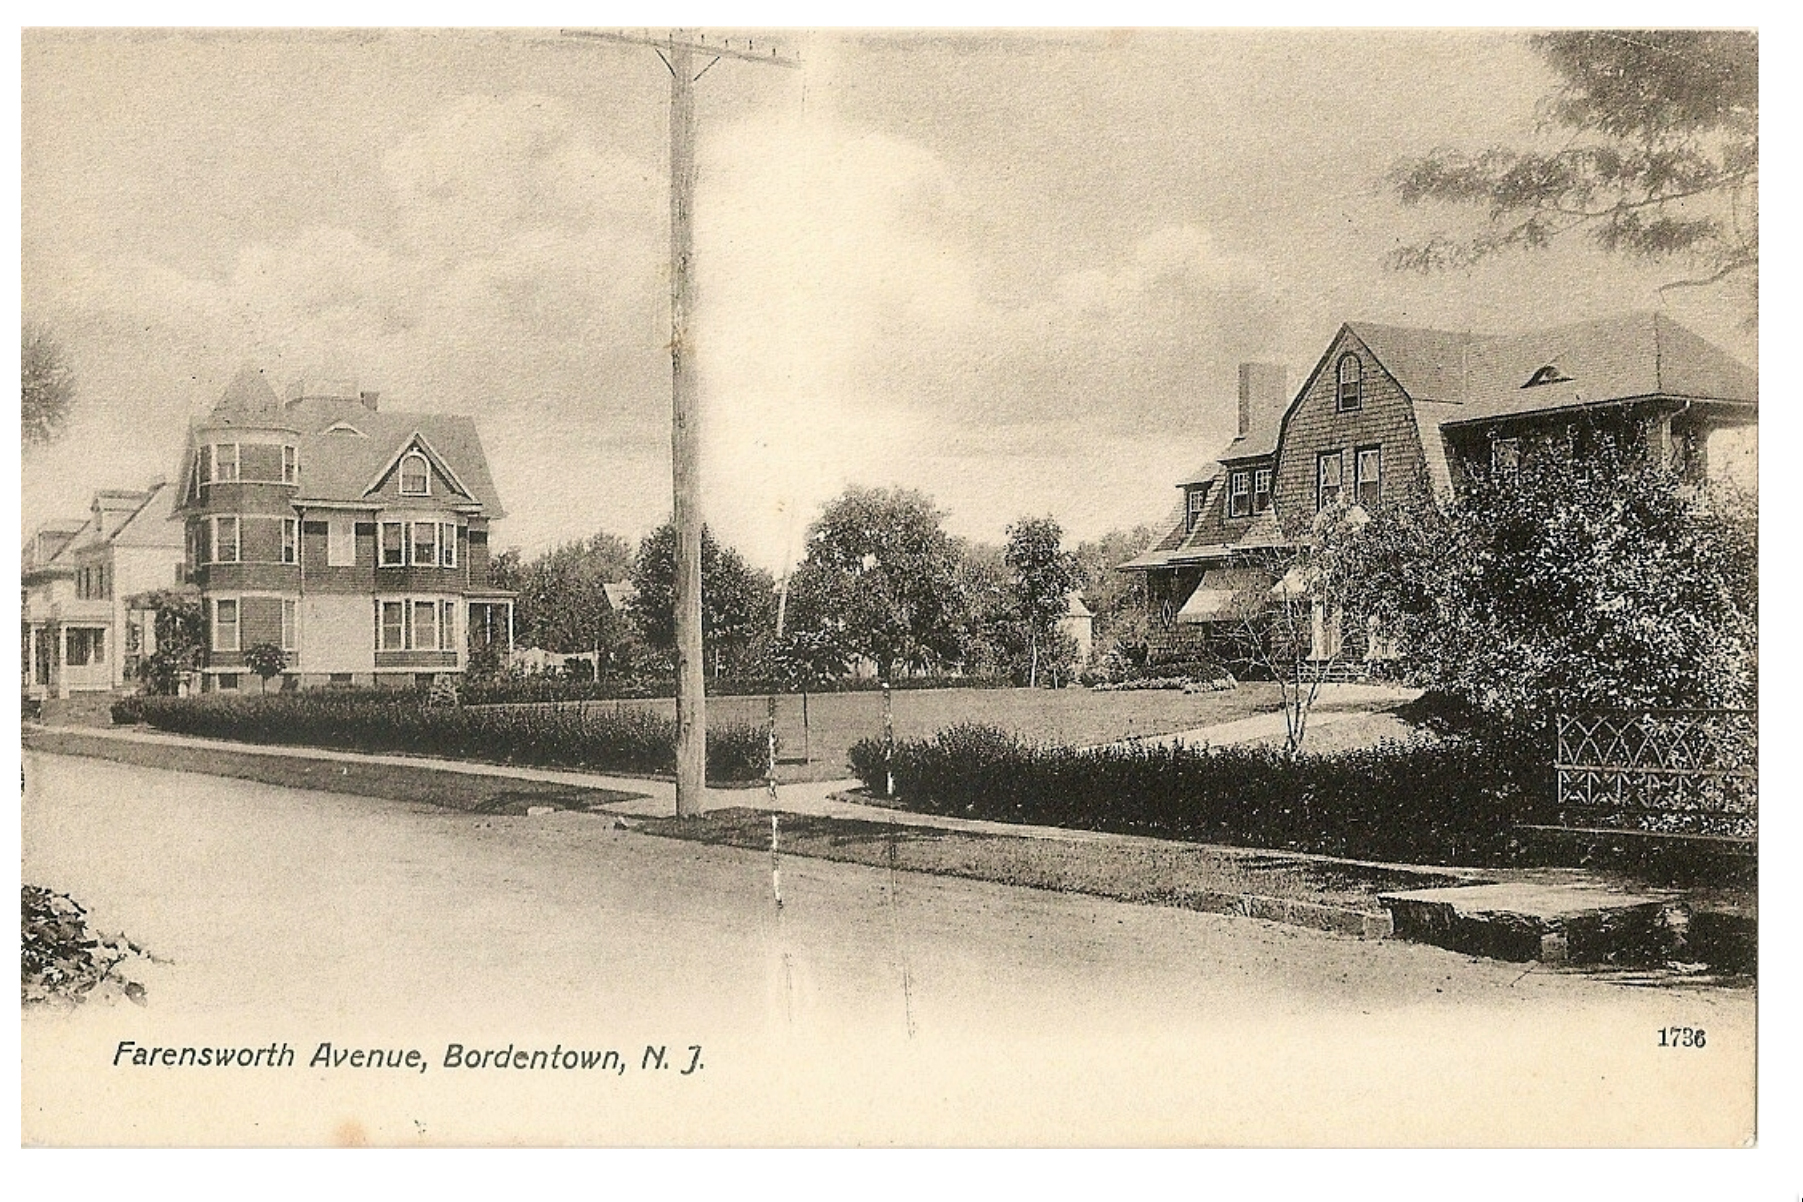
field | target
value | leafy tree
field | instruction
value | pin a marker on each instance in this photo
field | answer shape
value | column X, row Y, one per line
column 881, row 575
column 562, row 602
column 738, row 607
column 47, row 386
column 1043, row 577
column 1653, row 149
column 1116, row 598
column 181, row 632
column 992, row 639
column 1574, row 582
column 267, row 660
column 1296, row 607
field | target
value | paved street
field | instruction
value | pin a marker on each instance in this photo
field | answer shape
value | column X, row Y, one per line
column 877, row 1006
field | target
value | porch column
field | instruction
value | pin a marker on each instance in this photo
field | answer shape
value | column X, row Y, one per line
column 510, row 630
column 59, row 671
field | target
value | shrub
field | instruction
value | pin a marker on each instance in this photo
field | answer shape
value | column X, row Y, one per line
column 267, row 660
column 586, row 737
column 129, row 711
column 1443, row 801
column 63, row 963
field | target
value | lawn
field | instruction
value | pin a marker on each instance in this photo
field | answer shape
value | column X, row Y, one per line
column 1176, row 874
column 1076, row 716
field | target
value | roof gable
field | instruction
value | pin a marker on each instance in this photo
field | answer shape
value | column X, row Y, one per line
column 417, row 442
column 343, row 468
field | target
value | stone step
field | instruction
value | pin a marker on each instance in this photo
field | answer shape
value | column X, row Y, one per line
column 1549, row 923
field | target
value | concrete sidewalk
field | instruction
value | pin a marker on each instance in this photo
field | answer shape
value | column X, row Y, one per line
column 656, row 797
column 1487, row 913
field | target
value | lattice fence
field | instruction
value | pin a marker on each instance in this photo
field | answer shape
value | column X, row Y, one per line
column 1678, row 772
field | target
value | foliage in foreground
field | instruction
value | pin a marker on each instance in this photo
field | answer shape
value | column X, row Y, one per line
column 62, row 963
column 616, row 739
column 1449, row 801
column 1578, row 582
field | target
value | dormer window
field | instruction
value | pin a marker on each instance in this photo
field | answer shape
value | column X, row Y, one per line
column 1239, row 494
column 1261, row 490
column 416, row 479
column 345, row 428
column 1549, row 374
column 1197, row 498
column 1350, row 394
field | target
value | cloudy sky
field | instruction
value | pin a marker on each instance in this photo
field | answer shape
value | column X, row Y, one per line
column 1016, row 271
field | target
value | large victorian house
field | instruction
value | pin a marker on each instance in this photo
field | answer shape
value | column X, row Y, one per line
column 1389, row 409
column 354, row 540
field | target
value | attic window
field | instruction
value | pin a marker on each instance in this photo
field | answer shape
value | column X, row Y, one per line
column 1547, row 375
column 1351, row 377
column 345, row 428
column 416, row 480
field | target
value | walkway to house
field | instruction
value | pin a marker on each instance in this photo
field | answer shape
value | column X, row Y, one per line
column 1335, row 705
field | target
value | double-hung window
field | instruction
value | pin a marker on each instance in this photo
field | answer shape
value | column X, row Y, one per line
column 1328, row 465
column 1370, row 476
column 290, row 624
column 1261, row 490
column 290, row 465
column 393, row 616
column 290, row 540
column 225, row 540
column 225, row 462
column 425, row 625
column 225, row 624
column 394, row 544
column 1197, row 498
column 447, row 545
column 425, row 544
column 1239, row 494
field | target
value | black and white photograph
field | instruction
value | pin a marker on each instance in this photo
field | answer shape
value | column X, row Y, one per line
column 806, row 587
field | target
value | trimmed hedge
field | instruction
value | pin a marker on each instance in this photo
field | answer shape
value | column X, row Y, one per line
column 525, row 690
column 578, row 736
column 1426, row 801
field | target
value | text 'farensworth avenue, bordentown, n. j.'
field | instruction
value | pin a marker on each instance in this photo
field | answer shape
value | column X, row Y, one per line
column 130, row 1053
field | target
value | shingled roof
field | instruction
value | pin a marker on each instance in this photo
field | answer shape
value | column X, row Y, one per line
column 1455, row 377
column 1615, row 359
column 345, row 446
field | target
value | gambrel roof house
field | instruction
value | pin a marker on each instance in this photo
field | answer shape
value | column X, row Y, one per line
column 1388, row 409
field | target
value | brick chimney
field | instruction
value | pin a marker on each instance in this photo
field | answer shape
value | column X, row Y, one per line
column 1264, row 391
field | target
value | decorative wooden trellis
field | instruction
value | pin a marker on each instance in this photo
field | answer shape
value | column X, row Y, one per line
column 1672, row 772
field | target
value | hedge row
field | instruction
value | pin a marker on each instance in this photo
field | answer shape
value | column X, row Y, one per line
column 522, row 690
column 620, row 739
column 1440, row 801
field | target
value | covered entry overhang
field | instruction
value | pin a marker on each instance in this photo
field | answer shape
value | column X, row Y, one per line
column 1225, row 595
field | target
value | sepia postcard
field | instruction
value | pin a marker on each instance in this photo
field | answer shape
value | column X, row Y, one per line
column 789, row 588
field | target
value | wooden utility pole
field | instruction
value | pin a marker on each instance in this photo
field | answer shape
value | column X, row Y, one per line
column 679, row 49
